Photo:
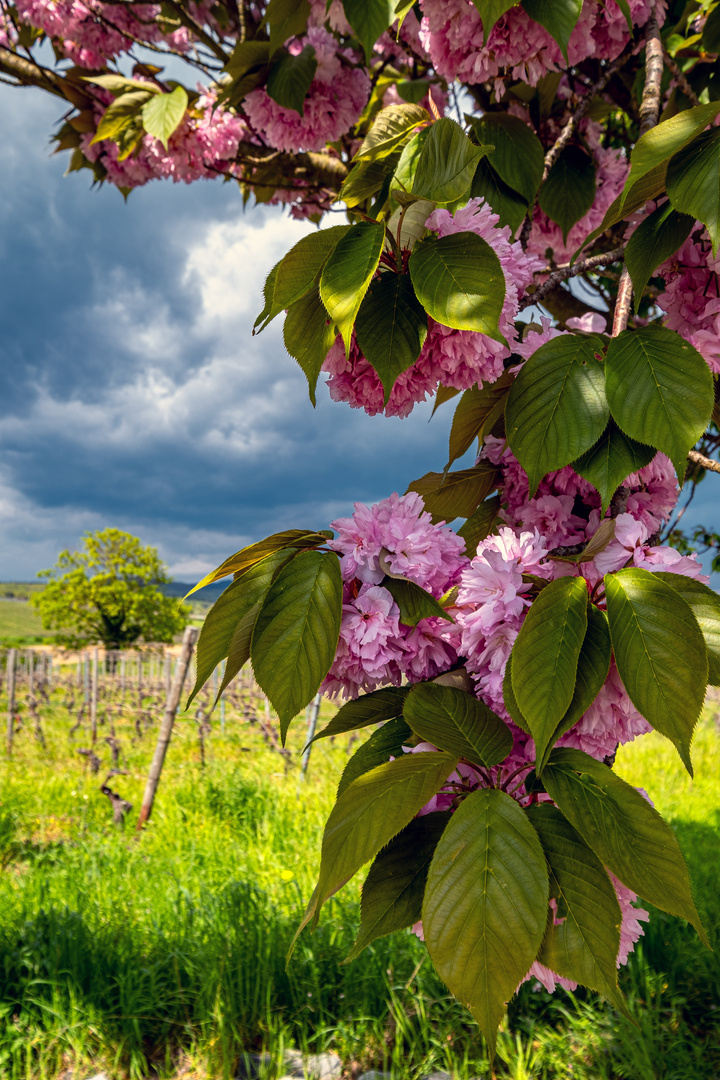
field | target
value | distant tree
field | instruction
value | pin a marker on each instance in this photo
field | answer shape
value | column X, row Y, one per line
column 108, row 592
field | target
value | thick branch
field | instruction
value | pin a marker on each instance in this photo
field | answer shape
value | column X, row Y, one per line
column 707, row 463
column 569, row 271
column 649, row 110
column 28, row 73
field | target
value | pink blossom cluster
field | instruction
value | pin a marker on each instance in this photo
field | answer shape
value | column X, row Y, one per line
column 456, row 358
column 90, row 32
column 566, row 508
column 518, row 47
column 396, row 537
column 338, row 94
column 202, row 147
column 691, row 299
column 630, row 932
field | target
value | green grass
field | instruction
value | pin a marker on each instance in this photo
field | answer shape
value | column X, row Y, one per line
column 20, row 623
column 166, row 955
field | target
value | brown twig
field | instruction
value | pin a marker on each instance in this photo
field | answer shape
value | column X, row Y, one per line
column 707, row 463
column 187, row 20
column 564, row 272
column 649, row 111
column 567, row 132
column 680, row 78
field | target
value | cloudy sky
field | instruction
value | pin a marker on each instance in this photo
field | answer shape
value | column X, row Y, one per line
column 132, row 392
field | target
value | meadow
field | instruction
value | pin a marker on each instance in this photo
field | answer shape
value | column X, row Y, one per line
column 164, row 955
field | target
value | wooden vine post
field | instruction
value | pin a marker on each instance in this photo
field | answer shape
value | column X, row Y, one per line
column 171, row 708
column 11, row 699
column 94, row 695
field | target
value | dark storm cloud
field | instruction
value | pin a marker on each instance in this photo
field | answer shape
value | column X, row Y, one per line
column 131, row 390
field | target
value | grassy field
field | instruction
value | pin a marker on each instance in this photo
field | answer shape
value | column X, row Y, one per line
column 20, row 623
column 165, row 956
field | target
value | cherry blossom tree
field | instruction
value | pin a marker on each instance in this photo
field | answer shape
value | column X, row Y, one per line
column 531, row 198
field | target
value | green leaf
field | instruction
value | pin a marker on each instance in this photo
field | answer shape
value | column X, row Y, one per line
column 490, row 11
column 391, row 327
column 407, row 165
column 557, row 407
column 242, row 560
column 413, row 223
column 297, row 632
column 705, row 604
column 628, row 836
column 457, row 722
column 649, row 186
column 625, row 8
column 393, row 890
column 374, row 708
column 546, row 654
column 285, row 19
column 369, row 20
column 592, row 671
column 447, row 162
column 290, row 78
column 372, row 810
column 611, row 460
column 569, row 191
column 584, row 947
column 693, row 183
column 656, row 146
column 511, row 701
column 118, row 84
column 459, row 281
column 163, row 113
column 296, row 273
column 478, row 410
column 660, row 390
column 711, row 31
column 235, row 610
column 510, row 206
column 413, row 602
column 309, row 336
column 660, row 653
column 485, row 907
column 121, row 114
column 247, row 56
column 559, row 18
column 402, row 9
column 385, row 743
column 655, row 240
column 364, row 180
column 480, row 524
column 455, row 494
column 518, row 157
column 348, row 272
column 393, row 127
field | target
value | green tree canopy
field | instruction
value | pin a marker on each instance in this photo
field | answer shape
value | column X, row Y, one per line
column 109, row 591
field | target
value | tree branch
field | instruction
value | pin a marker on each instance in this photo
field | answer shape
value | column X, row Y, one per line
column 29, row 73
column 569, row 271
column 567, row 132
column 680, row 79
column 707, row 463
column 187, row 20
column 649, row 110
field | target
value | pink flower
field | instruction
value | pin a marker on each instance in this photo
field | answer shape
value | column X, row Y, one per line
column 692, row 295
column 337, row 96
column 457, row 358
